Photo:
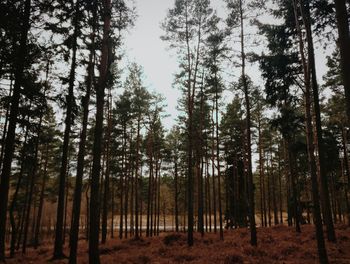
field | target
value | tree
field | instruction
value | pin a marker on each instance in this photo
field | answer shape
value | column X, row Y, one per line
column 173, row 145
column 83, row 136
column 232, row 131
column 185, row 28
column 280, row 68
column 94, row 255
column 327, row 215
column 342, row 17
column 216, row 54
column 310, row 147
column 10, row 137
column 140, row 104
column 237, row 18
column 58, row 249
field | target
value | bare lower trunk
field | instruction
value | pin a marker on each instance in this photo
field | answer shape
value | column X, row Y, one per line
column 94, row 256
column 10, row 137
column 250, row 184
column 323, row 258
column 58, row 248
column 344, row 43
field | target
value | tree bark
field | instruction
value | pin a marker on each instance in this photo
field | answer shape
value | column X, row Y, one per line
column 41, row 199
column 11, row 133
column 137, row 178
column 13, row 204
column 322, row 252
column 74, row 234
column 218, row 158
column 94, row 256
column 4, row 132
column 33, row 175
column 319, row 137
column 106, row 193
column 121, row 183
column 176, row 199
column 58, row 248
column 250, row 183
column 342, row 17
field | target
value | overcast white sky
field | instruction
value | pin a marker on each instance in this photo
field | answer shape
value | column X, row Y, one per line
column 144, row 46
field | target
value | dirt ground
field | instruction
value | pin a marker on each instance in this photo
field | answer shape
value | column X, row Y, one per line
column 279, row 244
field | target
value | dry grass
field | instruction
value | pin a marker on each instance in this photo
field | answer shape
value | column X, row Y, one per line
column 278, row 244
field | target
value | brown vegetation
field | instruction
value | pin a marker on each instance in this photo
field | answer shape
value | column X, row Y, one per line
column 279, row 244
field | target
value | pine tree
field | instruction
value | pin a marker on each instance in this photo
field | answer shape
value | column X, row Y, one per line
column 10, row 137
column 94, row 255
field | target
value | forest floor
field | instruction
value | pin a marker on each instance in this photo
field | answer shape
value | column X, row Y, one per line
column 279, row 244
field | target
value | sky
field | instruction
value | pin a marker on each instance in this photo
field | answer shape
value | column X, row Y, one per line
column 144, row 46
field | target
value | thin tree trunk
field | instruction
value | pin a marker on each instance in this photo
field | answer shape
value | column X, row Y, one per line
column 58, row 248
column 106, row 194
column 11, row 133
column 13, row 204
column 209, row 194
column 33, row 175
column 218, row 158
column 41, row 199
column 121, row 184
column 94, row 256
column 250, row 184
column 149, row 201
column 74, row 234
column 268, row 174
column 291, row 159
column 280, row 186
column 112, row 212
column 342, row 17
column 176, row 199
column 158, row 205
column 4, row 132
column 310, row 147
column 127, row 184
column 274, row 198
column 305, row 11
column 66, row 205
column 261, row 172
column 137, row 179
column 213, row 174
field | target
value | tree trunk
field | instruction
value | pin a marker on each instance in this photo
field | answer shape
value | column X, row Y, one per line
column 106, row 192
column 74, row 234
column 11, row 133
column 121, row 184
column 176, row 199
column 158, row 205
column 13, row 204
column 4, row 132
column 149, row 201
column 213, row 173
column 261, row 172
column 33, row 175
column 137, row 178
column 322, row 252
column 250, row 183
column 41, row 199
column 94, row 256
column 58, row 249
column 218, row 159
column 344, row 43
column 319, row 137
column 274, row 198
column 280, row 186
